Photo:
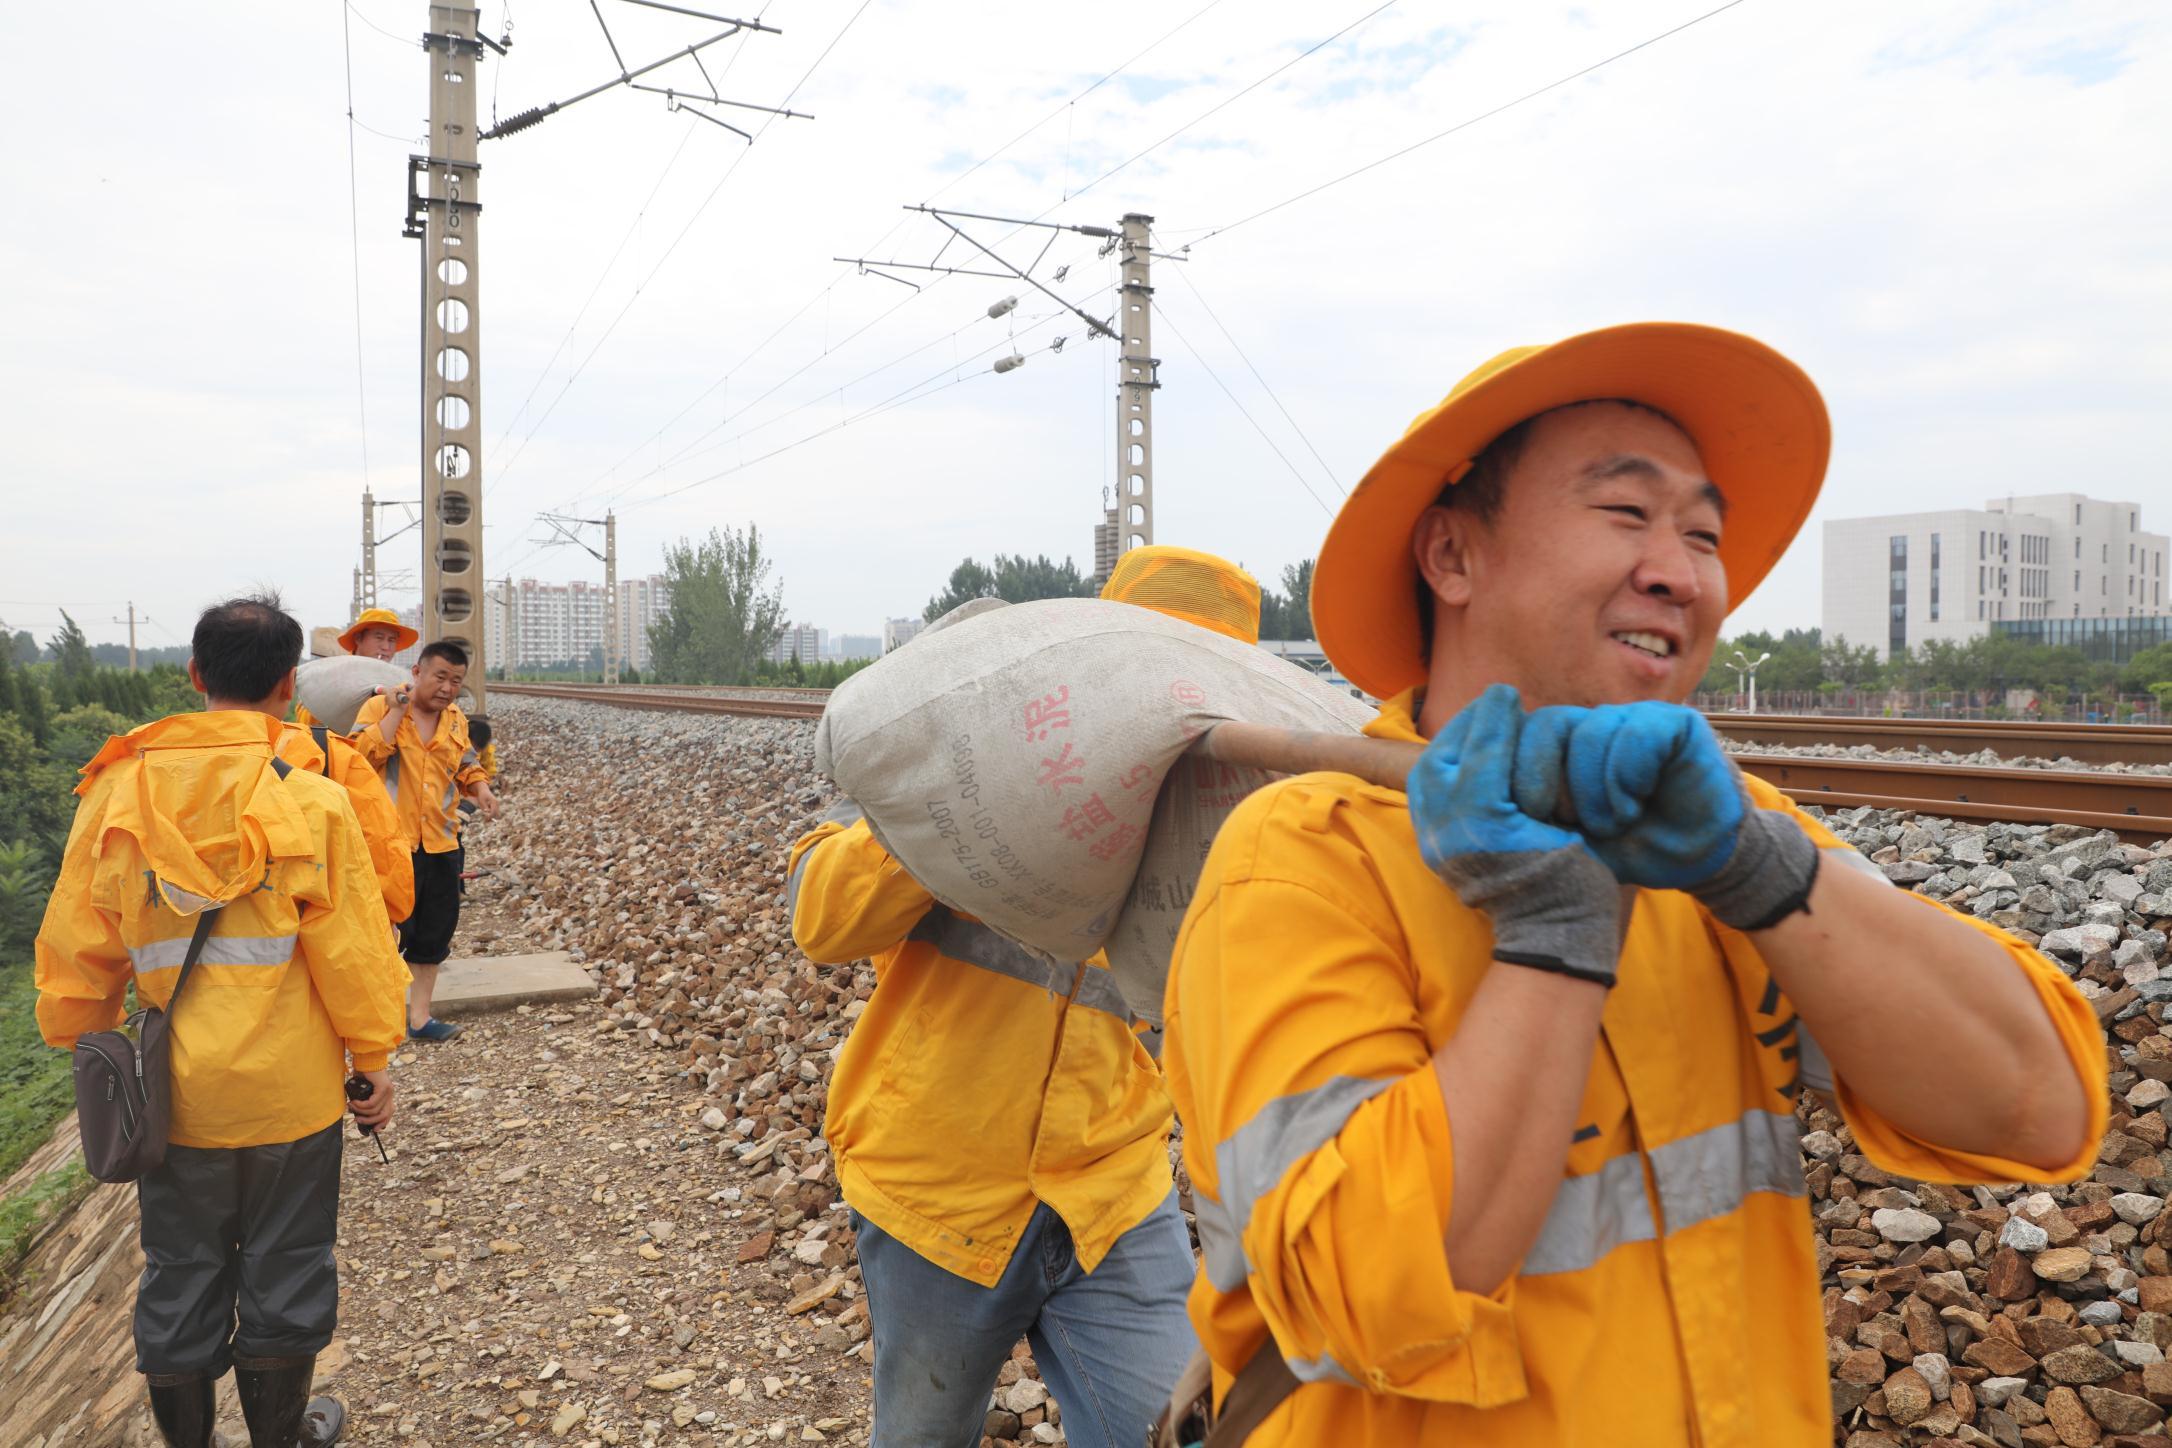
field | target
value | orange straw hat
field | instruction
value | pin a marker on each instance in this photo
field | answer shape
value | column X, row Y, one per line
column 378, row 618
column 1755, row 417
column 1196, row 587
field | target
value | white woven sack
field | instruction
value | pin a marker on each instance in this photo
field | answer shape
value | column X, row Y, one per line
column 1012, row 762
column 335, row 689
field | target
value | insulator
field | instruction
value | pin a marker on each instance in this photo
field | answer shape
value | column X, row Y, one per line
column 1010, row 363
column 999, row 308
column 521, row 122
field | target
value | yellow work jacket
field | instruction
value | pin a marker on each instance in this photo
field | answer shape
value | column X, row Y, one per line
column 1672, row 1295
column 981, row 1079
column 342, row 763
column 424, row 780
column 299, row 972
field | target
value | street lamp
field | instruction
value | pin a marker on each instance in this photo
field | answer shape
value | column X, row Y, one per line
column 1746, row 675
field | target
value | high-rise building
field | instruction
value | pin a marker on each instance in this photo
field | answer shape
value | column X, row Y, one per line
column 559, row 623
column 897, row 632
column 802, row 641
column 855, row 646
column 1899, row 581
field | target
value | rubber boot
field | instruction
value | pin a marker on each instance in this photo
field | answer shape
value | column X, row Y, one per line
column 184, row 1405
column 274, row 1395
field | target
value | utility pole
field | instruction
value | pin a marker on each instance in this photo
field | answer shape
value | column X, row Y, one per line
column 1128, row 522
column 506, row 635
column 611, row 646
column 131, row 622
column 365, row 588
column 1137, row 382
column 443, row 209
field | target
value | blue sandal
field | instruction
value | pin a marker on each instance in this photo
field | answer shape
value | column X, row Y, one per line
column 433, row 1031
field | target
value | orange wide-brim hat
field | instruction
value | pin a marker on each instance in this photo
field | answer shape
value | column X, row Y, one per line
column 378, row 618
column 1756, row 419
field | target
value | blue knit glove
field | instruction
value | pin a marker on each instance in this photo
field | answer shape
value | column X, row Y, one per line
column 1661, row 803
column 1554, row 906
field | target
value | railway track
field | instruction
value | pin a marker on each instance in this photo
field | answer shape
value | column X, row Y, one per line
column 2083, row 743
column 2137, row 806
column 688, row 701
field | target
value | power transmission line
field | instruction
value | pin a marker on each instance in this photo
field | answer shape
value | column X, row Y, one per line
column 825, row 290
column 1466, row 124
column 354, row 242
column 730, row 171
column 1163, row 313
column 402, row 39
column 1200, row 297
column 1228, row 101
column 927, row 387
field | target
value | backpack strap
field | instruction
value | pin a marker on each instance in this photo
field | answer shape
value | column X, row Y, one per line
column 323, row 735
column 1259, row 1389
column 280, row 767
column 196, row 950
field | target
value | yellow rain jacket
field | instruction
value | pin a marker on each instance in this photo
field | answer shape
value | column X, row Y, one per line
column 1672, row 1294
column 299, row 971
column 344, row 765
column 981, row 1079
column 424, row 780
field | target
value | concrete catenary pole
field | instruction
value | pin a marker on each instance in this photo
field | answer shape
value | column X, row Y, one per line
column 1136, row 384
column 611, row 655
column 449, row 199
column 365, row 588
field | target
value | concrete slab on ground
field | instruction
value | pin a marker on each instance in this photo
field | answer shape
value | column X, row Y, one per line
column 501, row 982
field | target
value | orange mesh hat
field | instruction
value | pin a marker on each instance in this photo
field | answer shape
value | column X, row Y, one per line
column 378, row 618
column 1196, row 587
column 1756, row 418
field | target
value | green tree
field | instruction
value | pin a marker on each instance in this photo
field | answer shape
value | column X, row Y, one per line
column 723, row 615
column 2150, row 667
column 1012, row 578
column 1849, row 666
column 71, row 651
column 24, row 882
column 36, row 793
column 1296, row 601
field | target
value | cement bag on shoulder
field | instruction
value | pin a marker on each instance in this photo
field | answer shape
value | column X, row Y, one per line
column 1012, row 762
column 334, row 689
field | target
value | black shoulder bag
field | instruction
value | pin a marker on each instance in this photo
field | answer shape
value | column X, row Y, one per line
column 124, row 1081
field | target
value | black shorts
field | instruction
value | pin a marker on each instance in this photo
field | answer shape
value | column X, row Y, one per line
column 248, row 1228
column 426, row 934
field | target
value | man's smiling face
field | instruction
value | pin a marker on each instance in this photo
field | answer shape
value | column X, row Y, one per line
column 1597, row 580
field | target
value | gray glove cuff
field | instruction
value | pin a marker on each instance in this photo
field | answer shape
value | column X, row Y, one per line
column 1769, row 876
column 1555, row 910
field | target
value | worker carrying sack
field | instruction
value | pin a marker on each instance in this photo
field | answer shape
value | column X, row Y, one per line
column 1027, row 766
column 124, row 1080
column 335, row 689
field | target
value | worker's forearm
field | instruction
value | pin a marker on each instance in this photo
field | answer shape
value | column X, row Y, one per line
column 1868, row 968
column 388, row 728
column 1513, row 1077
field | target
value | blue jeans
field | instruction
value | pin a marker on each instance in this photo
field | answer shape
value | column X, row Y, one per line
column 1109, row 1343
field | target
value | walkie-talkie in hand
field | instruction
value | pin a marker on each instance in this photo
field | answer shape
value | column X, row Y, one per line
column 359, row 1089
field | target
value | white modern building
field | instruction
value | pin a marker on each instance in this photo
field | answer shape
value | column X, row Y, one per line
column 1899, row 581
column 802, row 641
column 898, row 632
column 553, row 623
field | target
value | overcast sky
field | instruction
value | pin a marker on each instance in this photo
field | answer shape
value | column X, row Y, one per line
column 1953, row 215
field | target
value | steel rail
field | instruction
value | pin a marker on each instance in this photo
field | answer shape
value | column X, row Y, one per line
column 2137, row 806
column 2009, row 739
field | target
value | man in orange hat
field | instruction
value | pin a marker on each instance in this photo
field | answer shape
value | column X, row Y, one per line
column 1488, row 1086
column 376, row 633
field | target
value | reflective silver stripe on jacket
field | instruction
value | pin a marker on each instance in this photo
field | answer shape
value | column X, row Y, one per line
column 1249, row 1164
column 218, row 950
column 392, row 776
column 845, row 813
column 1591, row 1216
column 1705, row 1175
